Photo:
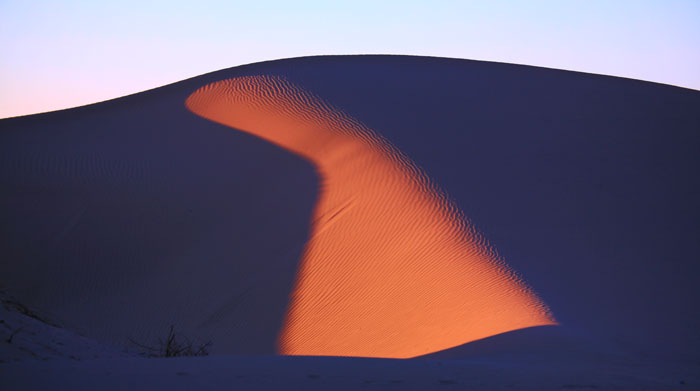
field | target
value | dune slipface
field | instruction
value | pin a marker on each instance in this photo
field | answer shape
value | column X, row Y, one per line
column 392, row 268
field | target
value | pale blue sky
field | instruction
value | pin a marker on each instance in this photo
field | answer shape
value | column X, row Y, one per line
column 63, row 54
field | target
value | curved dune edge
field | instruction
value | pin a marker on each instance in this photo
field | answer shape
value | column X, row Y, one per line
column 392, row 268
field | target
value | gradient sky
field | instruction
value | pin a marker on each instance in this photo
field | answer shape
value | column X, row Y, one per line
column 63, row 54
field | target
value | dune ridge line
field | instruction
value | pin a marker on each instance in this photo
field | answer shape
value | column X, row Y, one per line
column 392, row 268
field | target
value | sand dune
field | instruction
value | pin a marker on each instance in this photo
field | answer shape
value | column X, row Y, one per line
column 124, row 217
column 391, row 269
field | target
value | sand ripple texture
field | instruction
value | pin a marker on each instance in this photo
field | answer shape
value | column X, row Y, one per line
column 392, row 268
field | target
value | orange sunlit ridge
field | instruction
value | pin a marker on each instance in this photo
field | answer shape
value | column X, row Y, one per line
column 392, row 268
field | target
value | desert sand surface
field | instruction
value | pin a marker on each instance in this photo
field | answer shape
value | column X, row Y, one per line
column 476, row 214
column 390, row 269
column 343, row 373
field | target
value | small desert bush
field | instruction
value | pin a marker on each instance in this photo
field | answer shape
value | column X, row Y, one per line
column 174, row 345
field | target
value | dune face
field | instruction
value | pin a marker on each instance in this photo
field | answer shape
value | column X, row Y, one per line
column 122, row 218
column 391, row 268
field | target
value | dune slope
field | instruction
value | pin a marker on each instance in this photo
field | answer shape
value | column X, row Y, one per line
column 112, row 219
column 391, row 268
column 122, row 218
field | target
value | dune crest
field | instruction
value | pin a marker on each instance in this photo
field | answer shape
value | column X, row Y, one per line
column 392, row 268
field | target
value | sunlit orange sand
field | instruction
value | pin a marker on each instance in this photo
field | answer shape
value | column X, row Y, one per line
column 391, row 268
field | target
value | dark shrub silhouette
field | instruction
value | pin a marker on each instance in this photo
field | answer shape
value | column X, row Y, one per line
column 174, row 345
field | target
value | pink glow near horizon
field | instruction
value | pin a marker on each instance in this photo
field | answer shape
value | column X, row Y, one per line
column 60, row 55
